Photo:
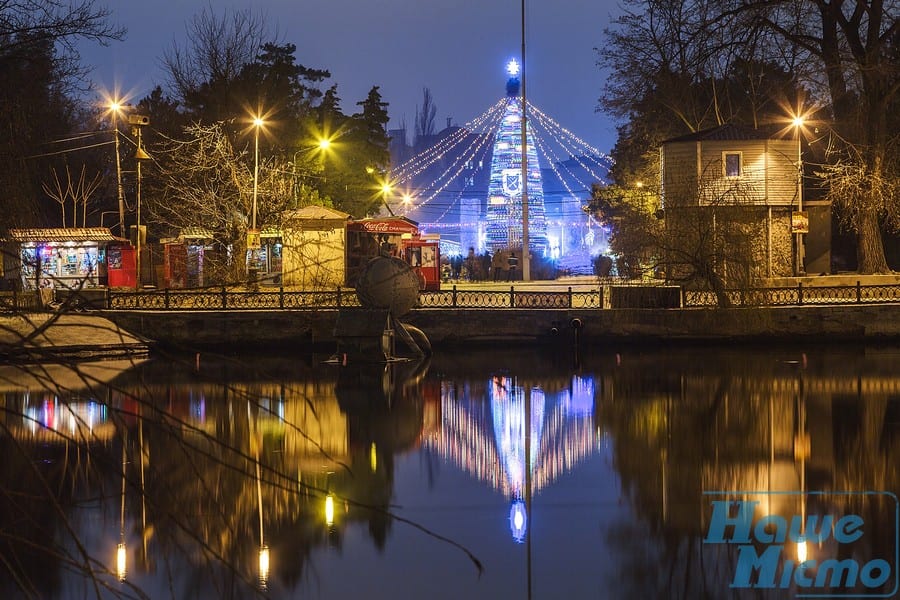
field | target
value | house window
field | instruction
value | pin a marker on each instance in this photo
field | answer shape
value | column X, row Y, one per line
column 732, row 163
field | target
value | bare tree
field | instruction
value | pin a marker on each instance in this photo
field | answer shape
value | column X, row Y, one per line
column 26, row 23
column 78, row 191
column 425, row 116
column 206, row 182
column 707, row 238
column 218, row 48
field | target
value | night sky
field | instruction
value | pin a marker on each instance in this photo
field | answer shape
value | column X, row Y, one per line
column 457, row 48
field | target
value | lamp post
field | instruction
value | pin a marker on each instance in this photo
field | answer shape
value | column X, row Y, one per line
column 798, row 254
column 115, row 107
column 139, row 122
column 253, row 237
column 526, row 254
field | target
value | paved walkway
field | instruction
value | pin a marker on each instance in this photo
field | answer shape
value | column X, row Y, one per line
column 48, row 336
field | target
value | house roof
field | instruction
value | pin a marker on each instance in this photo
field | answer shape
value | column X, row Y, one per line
column 196, row 233
column 316, row 212
column 64, row 234
column 728, row 132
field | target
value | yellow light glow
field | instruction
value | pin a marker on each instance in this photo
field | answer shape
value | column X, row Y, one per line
column 407, row 199
column 386, row 188
column 373, row 457
column 324, row 143
column 639, row 184
column 115, row 106
column 264, row 566
column 801, row 550
column 258, row 122
column 329, row 510
column 798, row 121
column 121, row 562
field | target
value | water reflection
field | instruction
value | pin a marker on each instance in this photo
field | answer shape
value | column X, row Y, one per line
column 211, row 478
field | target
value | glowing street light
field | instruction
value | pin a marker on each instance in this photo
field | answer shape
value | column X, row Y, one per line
column 797, row 122
column 257, row 124
column 324, row 144
column 253, row 235
column 115, row 107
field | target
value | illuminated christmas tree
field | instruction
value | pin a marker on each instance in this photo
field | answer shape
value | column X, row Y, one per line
column 504, row 207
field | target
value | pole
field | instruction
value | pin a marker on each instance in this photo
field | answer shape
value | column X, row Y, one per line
column 255, row 174
column 526, row 254
column 137, row 261
column 800, row 267
column 120, row 190
column 254, row 252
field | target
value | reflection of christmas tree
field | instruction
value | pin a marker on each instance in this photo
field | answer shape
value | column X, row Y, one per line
column 504, row 209
column 490, row 445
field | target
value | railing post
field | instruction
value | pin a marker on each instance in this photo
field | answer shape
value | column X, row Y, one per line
column 512, row 296
column 800, row 293
column 167, row 298
column 570, row 296
column 281, row 296
column 454, row 296
column 224, row 298
column 339, row 297
column 858, row 292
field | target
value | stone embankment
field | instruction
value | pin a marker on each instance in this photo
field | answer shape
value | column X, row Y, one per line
column 300, row 330
column 40, row 337
column 111, row 333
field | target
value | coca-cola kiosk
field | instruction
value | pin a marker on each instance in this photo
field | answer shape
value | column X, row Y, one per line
column 423, row 253
column 368, row 238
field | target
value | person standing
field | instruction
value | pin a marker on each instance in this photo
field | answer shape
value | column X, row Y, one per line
column 471, row 264
column 513, row 266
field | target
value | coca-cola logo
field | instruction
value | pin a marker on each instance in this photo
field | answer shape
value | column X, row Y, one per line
column 384, row 227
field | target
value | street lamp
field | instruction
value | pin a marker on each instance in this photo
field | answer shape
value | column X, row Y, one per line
column 257, row 123
column 253, row 237
column 526, row 253
column 114, row 107
column 797, row 123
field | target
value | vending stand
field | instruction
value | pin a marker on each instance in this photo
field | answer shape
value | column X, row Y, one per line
column 185, row 258
column 423, row 253
column 66, row 257
column 368, row 238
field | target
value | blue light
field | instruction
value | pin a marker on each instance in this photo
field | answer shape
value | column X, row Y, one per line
column 518, row 520
column 512, row 67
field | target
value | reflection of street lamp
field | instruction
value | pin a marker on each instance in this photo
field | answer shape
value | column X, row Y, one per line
column 799, row 268
column 329, row 510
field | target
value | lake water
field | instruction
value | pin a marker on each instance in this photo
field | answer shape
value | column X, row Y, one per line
column 479, row 474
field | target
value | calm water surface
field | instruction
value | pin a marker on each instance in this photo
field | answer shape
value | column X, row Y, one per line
column 482, row 474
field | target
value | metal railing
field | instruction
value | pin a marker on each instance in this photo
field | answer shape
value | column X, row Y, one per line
column 237, row 298
column 798, row 296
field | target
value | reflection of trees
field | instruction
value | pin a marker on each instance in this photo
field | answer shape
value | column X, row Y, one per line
column 695, row 422
column 192, row 442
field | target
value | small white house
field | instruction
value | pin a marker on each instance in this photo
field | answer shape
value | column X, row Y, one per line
column 314, row 243
column 756, row 172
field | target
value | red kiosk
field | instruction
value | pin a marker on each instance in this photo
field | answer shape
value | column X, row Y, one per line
column 391, row 236
column 423, row 253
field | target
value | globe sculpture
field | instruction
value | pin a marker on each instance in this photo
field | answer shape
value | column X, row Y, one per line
column 388, row 283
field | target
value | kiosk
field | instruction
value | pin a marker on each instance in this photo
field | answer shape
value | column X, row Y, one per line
column 368, row 238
